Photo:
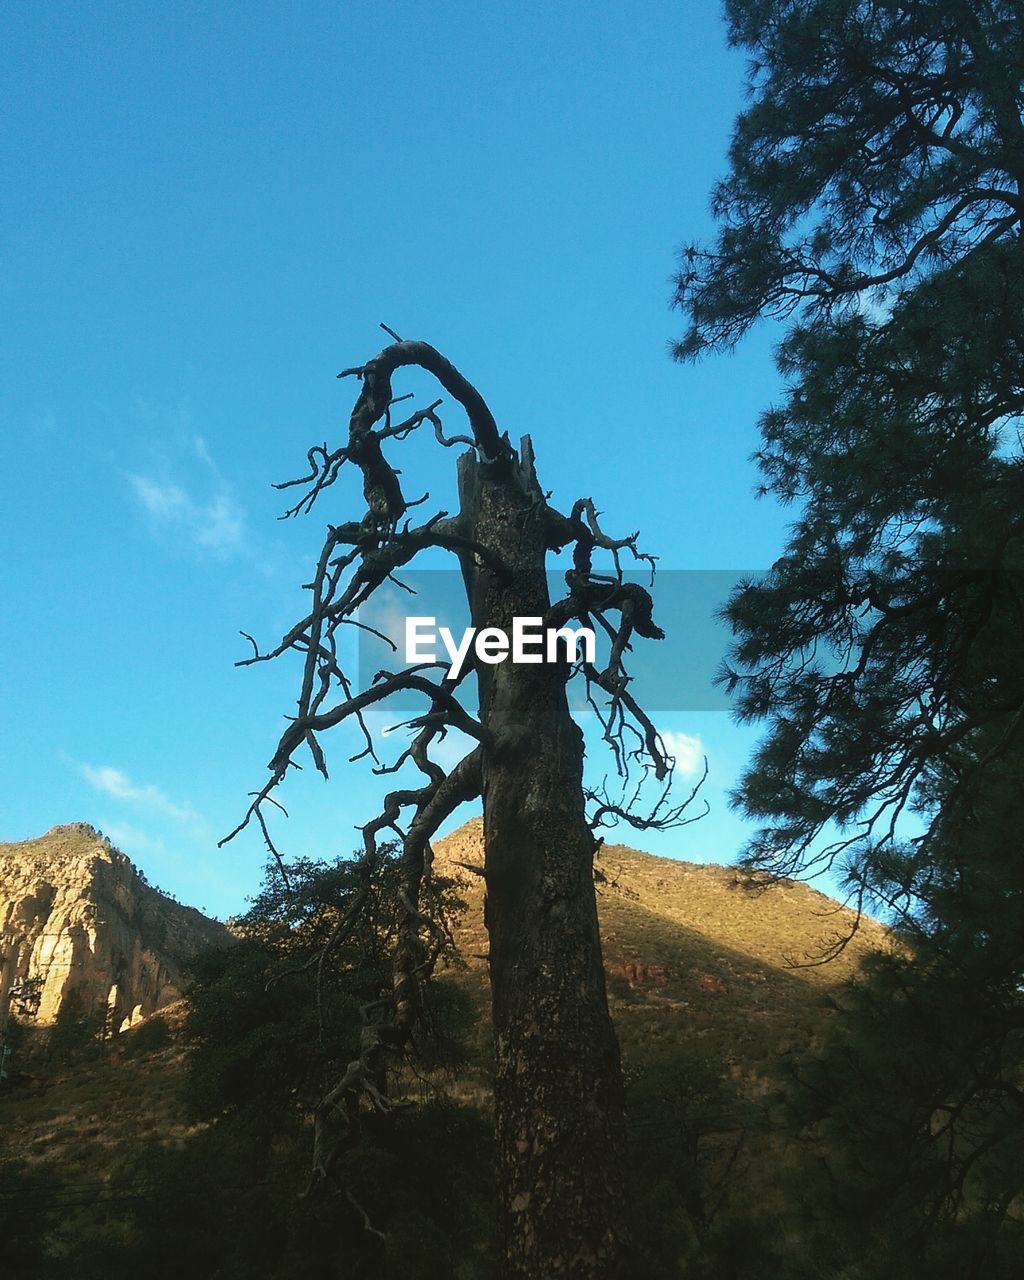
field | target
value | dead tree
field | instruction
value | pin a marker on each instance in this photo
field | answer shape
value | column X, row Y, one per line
column 558, row 1087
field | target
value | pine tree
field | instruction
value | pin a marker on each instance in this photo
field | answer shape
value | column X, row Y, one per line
column 874, row 203
column 915, row 1100
column 874, row 206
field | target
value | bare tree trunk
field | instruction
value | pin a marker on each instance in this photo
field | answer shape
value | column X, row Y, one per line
column 558, row 1088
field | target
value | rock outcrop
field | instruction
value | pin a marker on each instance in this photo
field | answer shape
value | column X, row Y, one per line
column 78, row 921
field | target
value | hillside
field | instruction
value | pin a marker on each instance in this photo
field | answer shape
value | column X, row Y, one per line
column 79, row 923
column 702, row 989
column 701, row 912
column 692, row 955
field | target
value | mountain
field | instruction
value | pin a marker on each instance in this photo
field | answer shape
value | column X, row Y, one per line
column 78, row 922
column 694, row 954
column 709, row 985
column 662, row 916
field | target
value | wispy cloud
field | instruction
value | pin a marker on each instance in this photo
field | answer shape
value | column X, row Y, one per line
column 203, row 454
column 216, row 526
column 130, row 839
column 116, row 783
column 687, row 749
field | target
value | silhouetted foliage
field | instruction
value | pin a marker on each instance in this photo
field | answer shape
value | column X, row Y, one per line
column 152, row 1036
column 269, row 1019
column 916, row 1101
column 77, row 1032
column 874, row 201
column 222, row 1205
column 874, row 204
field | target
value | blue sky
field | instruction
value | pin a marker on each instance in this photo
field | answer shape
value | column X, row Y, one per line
column 208, row 209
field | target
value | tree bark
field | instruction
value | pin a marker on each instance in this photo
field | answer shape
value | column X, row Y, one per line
column 558, row 1087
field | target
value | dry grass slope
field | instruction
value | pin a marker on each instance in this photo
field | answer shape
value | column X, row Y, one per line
column 700, row 975
column 693, row 956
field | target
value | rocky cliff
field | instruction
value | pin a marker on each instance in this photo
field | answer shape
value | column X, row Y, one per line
column 77, row 920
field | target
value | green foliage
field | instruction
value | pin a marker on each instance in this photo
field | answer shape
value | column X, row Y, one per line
column 917, row 1097
column 151, row 1037
column 16, row 1037
column 873, row 203
column 253, row 1044
column 704, row 1196
column 227, row 1203
column 24, row 1218
column 77, row 1032
column 272, row 1017
column 272, row 1020
column 873, row 199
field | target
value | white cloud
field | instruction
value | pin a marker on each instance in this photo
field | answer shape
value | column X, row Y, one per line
column 203, row 454
column 391, row 736
column 217, row 526
column 452, row 749
column 687, row 749
column 130, row 839
column 116, row 783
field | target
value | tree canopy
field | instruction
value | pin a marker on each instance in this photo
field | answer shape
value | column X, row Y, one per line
column 874, row 206
column 874, row 203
